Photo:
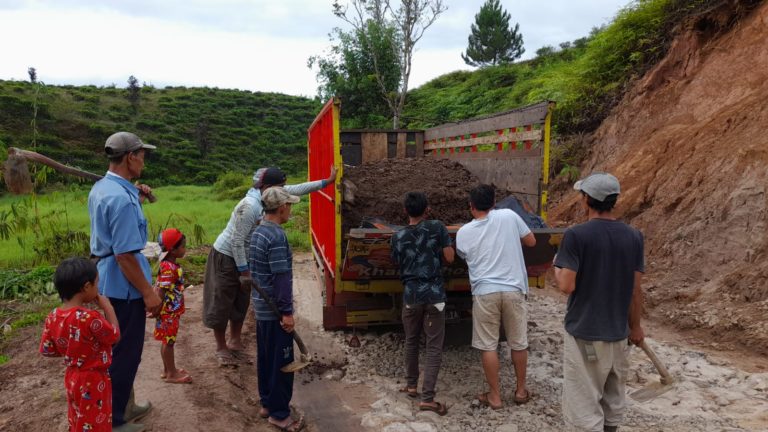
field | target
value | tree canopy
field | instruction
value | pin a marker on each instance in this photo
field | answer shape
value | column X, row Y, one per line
column 492, row 41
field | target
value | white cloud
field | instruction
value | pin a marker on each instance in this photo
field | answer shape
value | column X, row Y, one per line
column 247, row 44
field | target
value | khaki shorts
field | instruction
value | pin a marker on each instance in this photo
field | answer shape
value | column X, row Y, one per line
column 490, row 311
column 594, row 389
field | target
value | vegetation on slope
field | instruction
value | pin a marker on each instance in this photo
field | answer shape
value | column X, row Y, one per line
column 200, row 132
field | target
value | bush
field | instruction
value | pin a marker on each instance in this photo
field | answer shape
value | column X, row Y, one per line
column 232, row 185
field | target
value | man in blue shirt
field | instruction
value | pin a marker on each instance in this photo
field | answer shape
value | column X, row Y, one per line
column 118, row 234
column 272, row 268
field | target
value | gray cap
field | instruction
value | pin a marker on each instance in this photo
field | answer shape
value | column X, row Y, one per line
column 599, row 186
column 276, row 196
column 124, row 142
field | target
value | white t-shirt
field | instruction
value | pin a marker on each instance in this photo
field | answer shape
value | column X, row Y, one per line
column 493, row 251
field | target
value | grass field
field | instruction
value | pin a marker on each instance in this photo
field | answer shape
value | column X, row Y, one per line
column 182, row 207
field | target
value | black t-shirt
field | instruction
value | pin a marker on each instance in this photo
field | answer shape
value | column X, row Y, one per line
column 418, row 250
column 605, row 254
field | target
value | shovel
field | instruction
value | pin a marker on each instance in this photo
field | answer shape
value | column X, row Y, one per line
column 655, row 389
column 304, row 359
column 18, row 180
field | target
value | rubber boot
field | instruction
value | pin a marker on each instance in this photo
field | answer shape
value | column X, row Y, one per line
column 134, row 412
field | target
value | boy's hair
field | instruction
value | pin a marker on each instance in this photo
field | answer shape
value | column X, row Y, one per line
column 415, row 203
column 602, row 206
column 72, row 274
column 482, row 197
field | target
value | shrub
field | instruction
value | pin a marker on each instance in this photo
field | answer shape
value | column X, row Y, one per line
column 232, row 185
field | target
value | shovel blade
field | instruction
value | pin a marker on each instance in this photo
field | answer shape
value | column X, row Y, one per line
column 650, row 391
column 294, row 366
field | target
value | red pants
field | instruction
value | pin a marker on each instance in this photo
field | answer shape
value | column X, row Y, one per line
column 89, row 400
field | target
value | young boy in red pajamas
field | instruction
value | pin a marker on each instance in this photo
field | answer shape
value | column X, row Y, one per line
column 170, row 288
column 84, row 338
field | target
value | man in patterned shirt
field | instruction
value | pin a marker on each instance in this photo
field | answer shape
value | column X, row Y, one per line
column 420, row 249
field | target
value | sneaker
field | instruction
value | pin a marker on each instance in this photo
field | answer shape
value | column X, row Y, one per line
column 129, row 427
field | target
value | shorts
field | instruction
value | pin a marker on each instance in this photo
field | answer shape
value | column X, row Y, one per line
column 89, row 400
column 223, row 299
column 490, row 311
column 166, row 328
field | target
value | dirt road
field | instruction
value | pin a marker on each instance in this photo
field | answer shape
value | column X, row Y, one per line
column 354, row 389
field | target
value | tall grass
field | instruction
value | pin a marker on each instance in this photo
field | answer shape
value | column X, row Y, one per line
column 183, row 207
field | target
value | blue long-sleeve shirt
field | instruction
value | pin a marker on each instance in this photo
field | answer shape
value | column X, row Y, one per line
column 271, row 265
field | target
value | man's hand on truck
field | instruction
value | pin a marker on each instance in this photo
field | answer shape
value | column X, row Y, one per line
column 331, row 178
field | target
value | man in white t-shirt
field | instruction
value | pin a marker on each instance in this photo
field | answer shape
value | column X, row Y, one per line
column 491, row 246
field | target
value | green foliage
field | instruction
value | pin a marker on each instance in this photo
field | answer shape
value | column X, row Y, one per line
column 30, row 286
column 3, row 359
column 586, row 76
column 232, row 185
column 492, row 41
column 348, row 71
column 200, row 132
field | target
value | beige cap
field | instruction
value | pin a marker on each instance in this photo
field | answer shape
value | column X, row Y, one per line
column 599, row 186
column 124, row 142
column 276, row 196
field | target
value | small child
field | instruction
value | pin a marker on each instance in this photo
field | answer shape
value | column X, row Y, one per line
column 85, row 338
column 170, row 288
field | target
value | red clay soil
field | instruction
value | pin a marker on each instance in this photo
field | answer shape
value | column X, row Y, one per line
column 376, row 190
column 690, row 147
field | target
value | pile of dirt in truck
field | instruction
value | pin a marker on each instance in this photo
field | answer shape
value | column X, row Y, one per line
column 375, row 190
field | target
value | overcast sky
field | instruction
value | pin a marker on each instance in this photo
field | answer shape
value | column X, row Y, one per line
column 257, row 45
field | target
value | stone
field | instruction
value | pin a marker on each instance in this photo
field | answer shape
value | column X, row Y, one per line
column 511, row 427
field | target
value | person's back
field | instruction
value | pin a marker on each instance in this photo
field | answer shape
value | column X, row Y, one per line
column 494, row 254
column 418, row 250
column 607, row 254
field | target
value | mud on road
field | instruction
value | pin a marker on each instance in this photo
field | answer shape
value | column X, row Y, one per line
column 354, row 389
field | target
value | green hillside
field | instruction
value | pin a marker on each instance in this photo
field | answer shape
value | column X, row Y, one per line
column 586, row 76
column 200, row 132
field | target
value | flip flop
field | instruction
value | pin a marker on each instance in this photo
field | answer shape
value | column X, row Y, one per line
column 440, row 408
column 294, row 426
column 184, row 379
column 410, row 392
column 523, row 400
column 483, row 398
column 225, row 359
column 241, row 356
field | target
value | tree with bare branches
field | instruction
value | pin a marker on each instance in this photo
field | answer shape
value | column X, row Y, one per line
column 410, row 19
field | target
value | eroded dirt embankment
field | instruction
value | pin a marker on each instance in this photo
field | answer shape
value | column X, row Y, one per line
column 690, row 147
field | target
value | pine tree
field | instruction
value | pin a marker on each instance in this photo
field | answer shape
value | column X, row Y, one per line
column 492, row 40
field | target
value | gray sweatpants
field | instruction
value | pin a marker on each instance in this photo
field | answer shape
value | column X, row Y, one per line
column 432, row 321
column 594, row 389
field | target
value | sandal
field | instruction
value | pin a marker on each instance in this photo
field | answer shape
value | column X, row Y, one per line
column 226, row 359
column 523, row 400
column 410, row 392
column 483, row 398
column 294, row 426
column 438, row 408
column 241, row 356
column 184, row 379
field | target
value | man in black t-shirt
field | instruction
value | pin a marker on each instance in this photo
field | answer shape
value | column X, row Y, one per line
column 420, row 249
column 599, row 264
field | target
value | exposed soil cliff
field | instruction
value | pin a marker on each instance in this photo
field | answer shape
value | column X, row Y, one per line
column 690, row 147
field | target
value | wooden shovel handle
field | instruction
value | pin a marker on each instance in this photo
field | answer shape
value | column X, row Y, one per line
column 268, row 300
column 666, row 378
column 60, row 167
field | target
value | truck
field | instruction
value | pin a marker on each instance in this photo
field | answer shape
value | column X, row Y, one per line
column 361, row 284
